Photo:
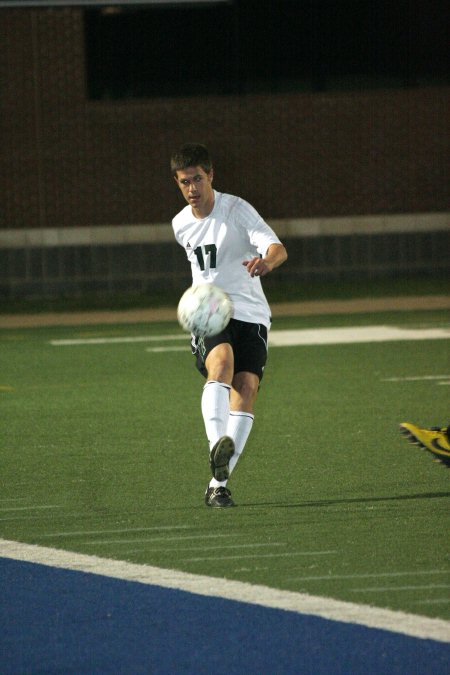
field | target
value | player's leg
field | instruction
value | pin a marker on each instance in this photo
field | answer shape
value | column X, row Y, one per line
column 246, row 343
column 244, row 390
column 239, row 427
column 240, row 422
column 215, row 405
column 215, row 402
column 215, row 361
column 250, row 353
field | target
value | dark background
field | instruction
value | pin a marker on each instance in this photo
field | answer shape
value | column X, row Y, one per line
column 311, row 110
column 248, row 46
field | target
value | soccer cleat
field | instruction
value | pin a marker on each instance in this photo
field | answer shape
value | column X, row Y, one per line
column 219, row 457
column 435, row 440
column 218, row 497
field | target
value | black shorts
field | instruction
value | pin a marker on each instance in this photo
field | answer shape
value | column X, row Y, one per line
column 249, row 343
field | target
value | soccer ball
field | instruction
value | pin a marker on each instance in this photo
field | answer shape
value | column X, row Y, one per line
column 204, row 310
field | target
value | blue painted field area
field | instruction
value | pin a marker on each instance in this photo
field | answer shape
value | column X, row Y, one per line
column 61, row 621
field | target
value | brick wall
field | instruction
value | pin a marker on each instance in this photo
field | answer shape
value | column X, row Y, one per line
column 66, row 161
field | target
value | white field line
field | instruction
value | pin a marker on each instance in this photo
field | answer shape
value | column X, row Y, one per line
column 389, row 589
column 147, row 539
column 352, row 335
column 336, row 610
column 17, row 518
column 415, row 378
column 220, row 546
column 286, row 338
column 12, row 499
column 28, row 508
column 83, row 533
column 124, row 339
column 161, row 350
column 260, row 555
column 376, row 575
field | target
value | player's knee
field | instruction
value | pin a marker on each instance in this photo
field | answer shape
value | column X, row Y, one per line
column 219, row 364
column 221, row 371
column 246, row 386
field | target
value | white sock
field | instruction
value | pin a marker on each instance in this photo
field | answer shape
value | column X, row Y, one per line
column 215, row 405
column 217, row 483
column 238, row 428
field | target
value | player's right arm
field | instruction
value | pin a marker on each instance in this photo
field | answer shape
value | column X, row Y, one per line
column 276, row 255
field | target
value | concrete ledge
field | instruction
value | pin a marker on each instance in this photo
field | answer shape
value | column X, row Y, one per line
column 101, row 235
column 306, row 308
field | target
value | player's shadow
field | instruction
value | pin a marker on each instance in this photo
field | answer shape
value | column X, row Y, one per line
column 318, row 503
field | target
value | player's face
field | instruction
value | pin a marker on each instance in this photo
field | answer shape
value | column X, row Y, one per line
column 196, row 187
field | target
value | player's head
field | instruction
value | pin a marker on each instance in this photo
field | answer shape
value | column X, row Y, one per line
column 193, row 173
column 190, row 155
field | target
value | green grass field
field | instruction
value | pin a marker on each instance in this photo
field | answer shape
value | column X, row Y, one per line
column 103, row 452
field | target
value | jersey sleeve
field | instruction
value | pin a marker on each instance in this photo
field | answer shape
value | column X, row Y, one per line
column 260, row 233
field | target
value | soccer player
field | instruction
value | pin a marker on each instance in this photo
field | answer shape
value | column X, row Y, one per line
column 436, row 439
column 227, row 243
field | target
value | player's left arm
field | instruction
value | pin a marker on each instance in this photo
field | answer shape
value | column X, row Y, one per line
column 275, row 256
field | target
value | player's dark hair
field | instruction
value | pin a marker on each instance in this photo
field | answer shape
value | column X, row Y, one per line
column 190, row 154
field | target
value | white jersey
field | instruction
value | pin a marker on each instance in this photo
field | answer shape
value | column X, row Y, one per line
column 216, row 247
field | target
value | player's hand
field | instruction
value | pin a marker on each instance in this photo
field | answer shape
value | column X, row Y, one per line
column 259, row 267
column 256, row 267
